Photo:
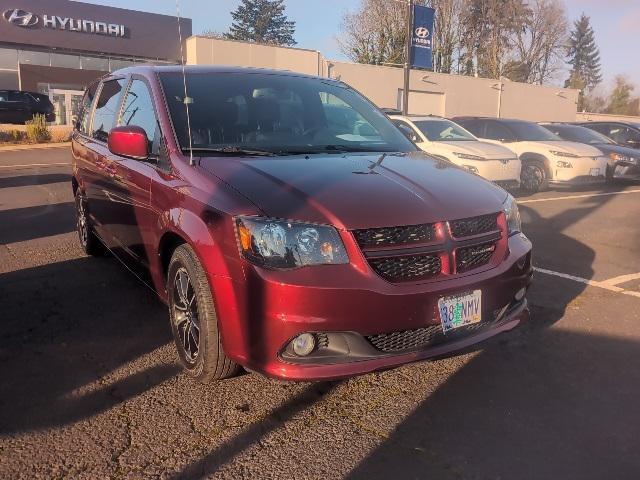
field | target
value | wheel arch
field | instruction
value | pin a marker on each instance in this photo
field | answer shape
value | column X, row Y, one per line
column 536, row 157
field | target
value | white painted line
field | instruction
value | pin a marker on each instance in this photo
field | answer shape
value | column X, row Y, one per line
column 35, row 165
column 622, row 279
column 586, row 281
column 569, row 197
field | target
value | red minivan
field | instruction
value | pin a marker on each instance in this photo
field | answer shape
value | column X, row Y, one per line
column 289, row 226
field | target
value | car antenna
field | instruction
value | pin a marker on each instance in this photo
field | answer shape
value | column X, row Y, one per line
column 186, row 100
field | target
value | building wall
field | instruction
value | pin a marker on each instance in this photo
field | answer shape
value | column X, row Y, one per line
column 592, row 117
column 210, row 51
column 429, row 92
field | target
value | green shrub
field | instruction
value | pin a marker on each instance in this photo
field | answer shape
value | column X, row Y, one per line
column 37, row 130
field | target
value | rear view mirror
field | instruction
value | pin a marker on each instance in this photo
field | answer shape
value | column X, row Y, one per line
column 129, row 141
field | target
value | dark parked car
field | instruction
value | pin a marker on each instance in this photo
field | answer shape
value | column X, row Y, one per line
column 283, row 240
column 624, row 162
column 623, row 133
column 17, row 106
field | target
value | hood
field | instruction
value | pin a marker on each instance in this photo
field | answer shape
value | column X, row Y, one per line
column 608, row 148
column 580, row 149
column 339, row 190
column 482, row 149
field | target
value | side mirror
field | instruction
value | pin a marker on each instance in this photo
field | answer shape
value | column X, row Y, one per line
column 129, row 141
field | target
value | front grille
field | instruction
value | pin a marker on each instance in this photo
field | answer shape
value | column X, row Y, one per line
column 409, row 234
column 467, row 227
column 468, row 258
column 404, row 268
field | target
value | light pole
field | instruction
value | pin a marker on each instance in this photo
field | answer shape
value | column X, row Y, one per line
column 407, row 55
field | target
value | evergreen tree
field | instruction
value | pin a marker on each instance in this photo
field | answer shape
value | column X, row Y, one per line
column 620, row 100
column 262, row 21
column 584, row 56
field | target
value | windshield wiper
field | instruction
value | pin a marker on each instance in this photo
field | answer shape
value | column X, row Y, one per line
column 233, row 151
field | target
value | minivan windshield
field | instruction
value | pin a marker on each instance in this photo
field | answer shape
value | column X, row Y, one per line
column 531, row 132
column 579, row 134
column 443, row 131
column 262, row 112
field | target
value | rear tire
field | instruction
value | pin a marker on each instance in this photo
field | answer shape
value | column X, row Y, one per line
column 88, row 240
column 194, row 322
column 534, row 177
column 608, row 175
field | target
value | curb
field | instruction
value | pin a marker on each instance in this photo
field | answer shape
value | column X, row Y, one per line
column 34, row 146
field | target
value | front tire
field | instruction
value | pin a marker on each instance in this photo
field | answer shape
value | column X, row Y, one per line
column 88, row 240
column 534, row 177
column 194, row 322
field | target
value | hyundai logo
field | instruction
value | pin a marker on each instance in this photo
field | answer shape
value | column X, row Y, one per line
column 422, row 32
column 22, row 18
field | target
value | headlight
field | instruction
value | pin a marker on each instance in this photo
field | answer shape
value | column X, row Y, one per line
column 558, row 153
column 510, row 209
column 617, row 157
column 280, row 244
column 466, row 156
column 471, row 169
column 563, row 164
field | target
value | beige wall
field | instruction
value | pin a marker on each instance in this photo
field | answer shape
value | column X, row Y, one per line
column 210, row 51
column 429, row 93
column 592, row 117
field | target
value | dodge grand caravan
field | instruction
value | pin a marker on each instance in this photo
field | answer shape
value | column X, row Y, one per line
column 296, row 243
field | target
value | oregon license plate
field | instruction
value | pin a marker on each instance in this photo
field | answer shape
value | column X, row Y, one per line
column 594, row 172
column 459, row 310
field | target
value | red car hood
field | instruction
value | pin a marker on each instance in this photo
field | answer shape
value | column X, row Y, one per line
column 339, row 190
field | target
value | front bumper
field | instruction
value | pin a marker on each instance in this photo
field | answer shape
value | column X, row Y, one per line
column 260, row 315
column 625, row 171
column 583, row 171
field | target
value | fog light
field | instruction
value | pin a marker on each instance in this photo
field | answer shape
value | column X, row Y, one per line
column 520, row 294
column 304, row 344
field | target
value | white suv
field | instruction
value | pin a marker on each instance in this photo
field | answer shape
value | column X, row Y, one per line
column 445, row 139
column 546, row 158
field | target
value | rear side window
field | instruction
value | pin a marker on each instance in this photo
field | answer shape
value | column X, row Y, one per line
column 474, row 126
column 4, row 96
column 85, row 109
column 138, row 110
column 104, row 117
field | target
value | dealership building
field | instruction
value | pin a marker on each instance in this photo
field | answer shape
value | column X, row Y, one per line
column 57, row 47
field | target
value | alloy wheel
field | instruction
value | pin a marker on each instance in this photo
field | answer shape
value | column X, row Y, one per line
column 82, row 224
column 532, row 177
column 185, row 314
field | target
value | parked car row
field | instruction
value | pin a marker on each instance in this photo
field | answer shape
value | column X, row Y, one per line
column 518, row 153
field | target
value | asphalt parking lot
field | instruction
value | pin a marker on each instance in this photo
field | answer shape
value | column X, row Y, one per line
column 89, row 387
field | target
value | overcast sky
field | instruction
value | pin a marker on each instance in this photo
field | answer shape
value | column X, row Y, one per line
column 616, row 24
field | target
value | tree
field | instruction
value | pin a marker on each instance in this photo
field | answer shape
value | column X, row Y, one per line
column 489, row 27
column 539, row 46
column 583, row 56
column 620, row 100
column 262, row 21
column 446, row 33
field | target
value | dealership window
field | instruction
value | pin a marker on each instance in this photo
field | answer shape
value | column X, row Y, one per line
column 65, row 61
column 138, row 110
column 95, row 63
column 34, row 58
column 104, row 116
column 9, row 80
column 117, row 64
column 8, row 59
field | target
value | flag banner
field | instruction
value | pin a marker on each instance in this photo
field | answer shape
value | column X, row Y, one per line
column 421, row 52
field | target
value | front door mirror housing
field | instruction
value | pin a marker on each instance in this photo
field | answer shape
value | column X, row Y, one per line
column 129, row 141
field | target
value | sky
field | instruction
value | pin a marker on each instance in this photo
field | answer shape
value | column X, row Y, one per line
column 616, row 24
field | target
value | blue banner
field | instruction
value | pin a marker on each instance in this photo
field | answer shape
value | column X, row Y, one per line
column 421, row 53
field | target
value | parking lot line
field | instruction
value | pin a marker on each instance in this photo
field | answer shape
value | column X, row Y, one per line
column 569, row 197
column 622, row 279
column 606, row 285
column 36, row 165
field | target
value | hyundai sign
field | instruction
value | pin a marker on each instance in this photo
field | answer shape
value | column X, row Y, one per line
column 421, row 52
column 23, row 18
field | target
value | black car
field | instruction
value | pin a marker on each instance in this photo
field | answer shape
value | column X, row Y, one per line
column 624, row 162
column 623, row 133
column 17, row 106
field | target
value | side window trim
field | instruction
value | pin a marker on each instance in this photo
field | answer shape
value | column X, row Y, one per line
column 89, row 112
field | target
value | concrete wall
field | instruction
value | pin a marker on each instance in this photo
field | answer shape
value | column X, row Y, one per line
column 211, row 51
column 592, row 117
column 429, row 93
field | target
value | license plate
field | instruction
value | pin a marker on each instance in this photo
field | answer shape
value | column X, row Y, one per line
column 459, row 310
column 594, row 172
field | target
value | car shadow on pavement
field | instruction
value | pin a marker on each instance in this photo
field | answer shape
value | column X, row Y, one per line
column 30, row 180
column 70, row 336
column 29, row 223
